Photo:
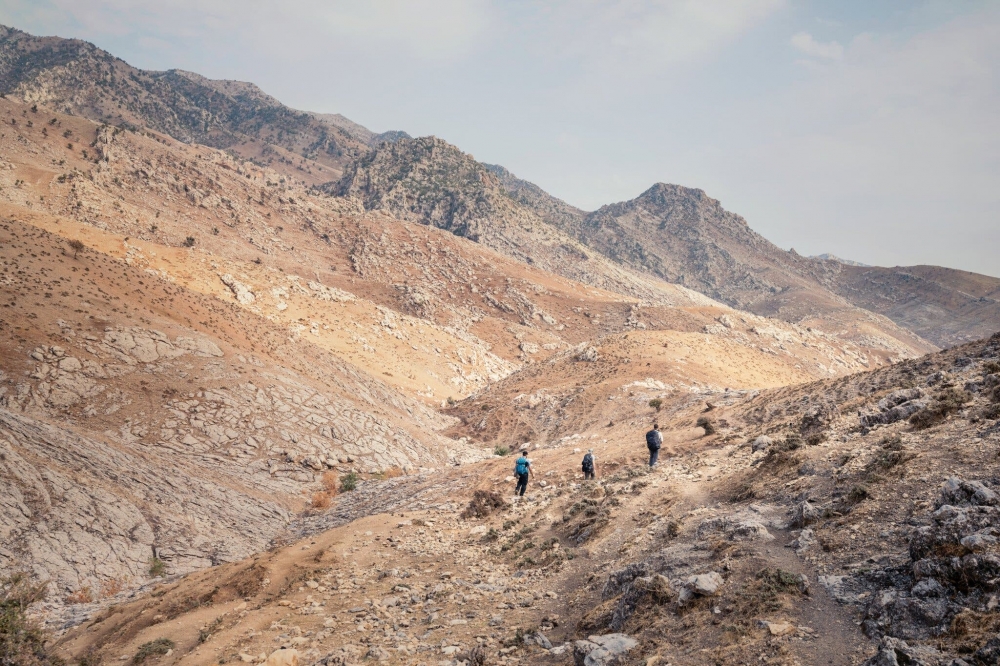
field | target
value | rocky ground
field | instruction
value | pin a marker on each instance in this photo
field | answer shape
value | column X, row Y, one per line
column 818, row 524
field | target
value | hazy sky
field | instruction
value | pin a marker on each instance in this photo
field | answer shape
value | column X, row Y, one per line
column 867, row 129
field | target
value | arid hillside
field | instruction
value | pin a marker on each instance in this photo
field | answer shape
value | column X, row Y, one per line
column 429, row 181
column 76, row 77
column 181, row 326
column 842, row 522
column 262, row 371
column 943, row 305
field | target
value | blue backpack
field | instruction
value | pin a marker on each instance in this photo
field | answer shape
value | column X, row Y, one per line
column 521, row 466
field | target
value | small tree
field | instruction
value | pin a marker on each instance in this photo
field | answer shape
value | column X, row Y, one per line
column 76, row 246
column 656, row 403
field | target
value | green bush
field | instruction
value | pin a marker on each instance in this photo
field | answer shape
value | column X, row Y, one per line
column 157, row 567
column 501, row 451
column 348, row 482
column 22, row 640
column 656, row 403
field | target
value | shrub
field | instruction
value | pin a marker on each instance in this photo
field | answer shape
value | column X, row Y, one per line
column 189, row 241
column 945, row 403
column 348, row 482
column 706, row 423
column 331, row 482
column 483, row 503
column 761, row 594
column 157, row 567
column 320, row 500
column 856, row 495
column 991, row 367
column 501, row 451
column 656, row 403
column 76, row 246
column 22, row 640
column 153, row 649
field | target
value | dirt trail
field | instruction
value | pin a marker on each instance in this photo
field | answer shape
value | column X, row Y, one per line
column 838, row 639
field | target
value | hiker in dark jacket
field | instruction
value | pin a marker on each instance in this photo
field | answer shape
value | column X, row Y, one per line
column 589, row 465
column 522, row 470
column 654, row 440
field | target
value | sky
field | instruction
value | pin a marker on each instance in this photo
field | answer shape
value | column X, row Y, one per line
column 870, row 130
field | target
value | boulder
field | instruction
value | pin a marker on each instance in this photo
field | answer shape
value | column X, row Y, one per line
column 895, row 652
column 606, row 650
column 958, row 492
column 283, row 657
column 701, row 585
column 899, row 397
column 806, row 513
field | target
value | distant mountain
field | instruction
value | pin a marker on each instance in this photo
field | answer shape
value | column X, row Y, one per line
column 76, row 77
column 826, row 256
column 549, row 208
column 669, row 233
column 943, row 305
column 684, row 236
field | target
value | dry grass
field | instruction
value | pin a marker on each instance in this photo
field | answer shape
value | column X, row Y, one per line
column 945, row 403
column 320, row 500
column 83, row 595
column 389, row 473
column 331, row 482
column 112, row 587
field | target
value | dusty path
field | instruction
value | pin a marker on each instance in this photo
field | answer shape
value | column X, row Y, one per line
column 838, row 640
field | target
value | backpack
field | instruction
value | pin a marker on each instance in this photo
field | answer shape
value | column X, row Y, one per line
column 521, row 467
column 588, row 464
column 651, row 442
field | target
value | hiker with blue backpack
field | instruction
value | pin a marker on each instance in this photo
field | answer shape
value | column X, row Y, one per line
column 522, row 470
column 589, row 465
column 654, row 440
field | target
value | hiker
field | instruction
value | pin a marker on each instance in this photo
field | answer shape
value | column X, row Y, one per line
column 522, row 470
column 588, row 465
column 654, row 440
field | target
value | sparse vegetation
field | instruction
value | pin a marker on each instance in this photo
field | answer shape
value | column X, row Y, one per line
column 348, row 482
column 82, row 595
column 320, row 500
column 206, row 632
column 484, row 502
column 501, row 451
column 113, row 587
column 331, row 482
column 945, row 403
column 159, row 647
column 22, row 640
column 707, row 424
column 763, row 593
column 157, row 567
column 656, row 403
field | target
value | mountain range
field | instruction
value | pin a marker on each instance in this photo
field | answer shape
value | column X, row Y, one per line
column 254, row 362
